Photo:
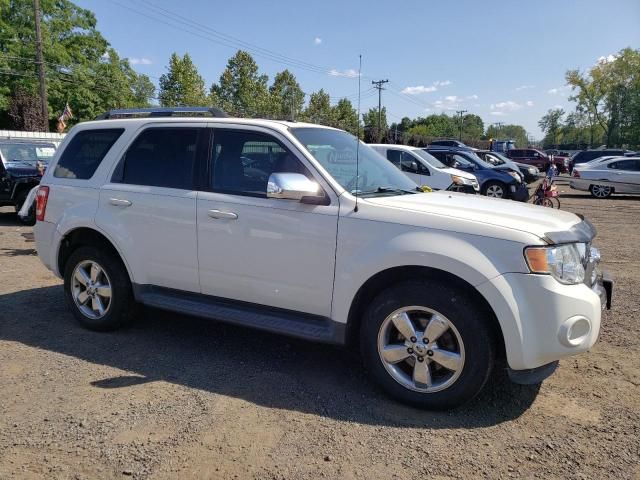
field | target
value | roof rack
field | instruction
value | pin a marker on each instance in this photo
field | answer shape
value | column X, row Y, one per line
column 163, row 112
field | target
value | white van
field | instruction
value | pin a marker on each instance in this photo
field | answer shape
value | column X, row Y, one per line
column 424, row 169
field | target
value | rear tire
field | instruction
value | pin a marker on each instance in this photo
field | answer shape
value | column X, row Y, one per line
column 97, row 289
column 461, row 339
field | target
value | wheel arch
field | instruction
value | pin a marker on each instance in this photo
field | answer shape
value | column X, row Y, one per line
column 381, row 280
column 83, row 236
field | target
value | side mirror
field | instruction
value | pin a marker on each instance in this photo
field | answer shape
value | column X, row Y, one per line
column 414, row 166
column 295, row 186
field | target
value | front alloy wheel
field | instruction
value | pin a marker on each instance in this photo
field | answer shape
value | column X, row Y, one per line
column 421, row 349
column 495, row 190
column 600, row 191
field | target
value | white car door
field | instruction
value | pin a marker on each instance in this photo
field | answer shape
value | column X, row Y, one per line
column 149, row 205
column 274, row 252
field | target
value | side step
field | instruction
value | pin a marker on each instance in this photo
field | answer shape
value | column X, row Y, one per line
column 286, row 322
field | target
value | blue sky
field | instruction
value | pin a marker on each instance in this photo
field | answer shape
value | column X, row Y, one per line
column 503, row 60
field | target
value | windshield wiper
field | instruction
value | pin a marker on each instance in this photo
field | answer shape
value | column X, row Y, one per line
column 399, row 191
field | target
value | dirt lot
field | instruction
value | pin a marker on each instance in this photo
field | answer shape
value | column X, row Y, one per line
column 177, row 397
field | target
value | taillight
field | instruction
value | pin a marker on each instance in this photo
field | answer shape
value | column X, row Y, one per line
column 576, row 173
column 42, row 195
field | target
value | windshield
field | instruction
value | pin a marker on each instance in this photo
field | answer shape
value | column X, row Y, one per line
column 501, row 159
column 336, row 152
column 27, row 152
column 476, row 159
column 430, row 159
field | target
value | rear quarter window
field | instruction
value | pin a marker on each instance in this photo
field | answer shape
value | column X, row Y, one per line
column 84, row 153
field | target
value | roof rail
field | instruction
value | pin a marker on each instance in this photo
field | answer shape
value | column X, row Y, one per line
column 163, row 112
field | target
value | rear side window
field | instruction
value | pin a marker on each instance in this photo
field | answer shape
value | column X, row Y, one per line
column 161, row 157
column 84, row 153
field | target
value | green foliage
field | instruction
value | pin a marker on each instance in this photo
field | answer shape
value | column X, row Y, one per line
column 345, row 116
column 182, row 85
column 75, row 69
column 242, row 91
column 608, row 96
column 319, row 109
column 373, row 134
column 551, row 124
column 517, row 133
column 286, row 98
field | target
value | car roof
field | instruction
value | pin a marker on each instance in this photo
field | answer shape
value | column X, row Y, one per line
column 280, row 125
column 391, row 145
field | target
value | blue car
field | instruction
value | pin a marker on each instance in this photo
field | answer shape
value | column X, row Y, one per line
column 493, row 182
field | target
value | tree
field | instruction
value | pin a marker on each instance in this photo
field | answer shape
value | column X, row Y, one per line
column 241, row 90
column 345, row 116
column 517, row 133
column 373, row 134
column 610, row 94
column 182, row 85
column 24, row 111
column 80, row 67
column 319, row 109
column 550, row 124
column 286, row 98
column 472, row 127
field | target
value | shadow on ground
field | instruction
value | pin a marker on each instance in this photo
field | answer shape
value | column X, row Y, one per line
column 262, row 368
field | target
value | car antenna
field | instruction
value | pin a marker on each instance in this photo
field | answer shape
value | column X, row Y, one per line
column 355, row 209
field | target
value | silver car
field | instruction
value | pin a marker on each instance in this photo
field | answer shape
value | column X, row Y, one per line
column 604, row 178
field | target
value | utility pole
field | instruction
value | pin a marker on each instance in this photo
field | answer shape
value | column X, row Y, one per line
column 498, row 126
column 379, row 87
column 44, row 109
column 460, row 112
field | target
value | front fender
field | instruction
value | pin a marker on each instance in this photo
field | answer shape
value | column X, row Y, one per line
column 367, row 248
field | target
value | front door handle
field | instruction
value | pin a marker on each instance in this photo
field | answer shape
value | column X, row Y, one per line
column 223, row 215
column 119, row 202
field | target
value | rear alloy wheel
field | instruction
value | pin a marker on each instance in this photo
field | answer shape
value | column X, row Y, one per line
column 600, row 191
column 495, row 190
column 97, row 289
column 427, row 344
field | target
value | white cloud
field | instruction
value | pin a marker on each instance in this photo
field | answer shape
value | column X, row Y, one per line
column 349, row 73
column 472, row 97
column 562, row 91
column 140, row 61
column 556, row 107
column 317, row 41
column 508, row 106
column 418, row 90
column 524, row 87
column 452, row 98
column 608, row 59
column 553, row 91
column 529, row 103
column 498, row 114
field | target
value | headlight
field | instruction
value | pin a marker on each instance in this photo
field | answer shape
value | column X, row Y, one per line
column 456, row 180
column 516, row 176
column 562, row 262
column 533, row 170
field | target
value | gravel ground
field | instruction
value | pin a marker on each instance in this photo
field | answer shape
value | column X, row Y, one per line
column 178, row 397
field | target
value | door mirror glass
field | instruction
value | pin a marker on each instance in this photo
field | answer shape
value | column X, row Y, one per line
column 294, row 186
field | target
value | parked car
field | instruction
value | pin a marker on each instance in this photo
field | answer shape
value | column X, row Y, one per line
column 450, row 143
column 22, row 164
column 529, row 172
column 431, row 288
column 494, row 182
column 602, row 179
column 425, row 169
column 588, row 155
column 539, row 159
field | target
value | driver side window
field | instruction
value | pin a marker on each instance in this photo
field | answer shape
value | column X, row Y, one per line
column 242, row 161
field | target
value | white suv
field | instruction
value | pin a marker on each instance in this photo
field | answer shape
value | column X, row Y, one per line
column 266, row 224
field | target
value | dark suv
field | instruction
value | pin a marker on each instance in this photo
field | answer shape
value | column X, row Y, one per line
column 494, row 182
column 450, row 143
column 22, row 164
column 588, row 155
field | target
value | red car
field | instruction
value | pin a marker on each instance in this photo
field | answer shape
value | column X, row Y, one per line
column 537, row 158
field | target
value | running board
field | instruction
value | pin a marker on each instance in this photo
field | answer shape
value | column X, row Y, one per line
column 295, row 324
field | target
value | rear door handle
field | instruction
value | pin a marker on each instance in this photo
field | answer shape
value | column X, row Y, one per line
column 223, row 215
column 119, row 202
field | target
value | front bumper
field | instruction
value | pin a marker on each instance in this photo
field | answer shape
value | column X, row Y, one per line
column 519, row 192
column 543, row 320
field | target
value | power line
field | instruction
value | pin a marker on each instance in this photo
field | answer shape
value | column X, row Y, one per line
column 377, row 84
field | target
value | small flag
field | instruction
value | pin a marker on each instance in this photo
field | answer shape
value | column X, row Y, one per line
column 62, row 119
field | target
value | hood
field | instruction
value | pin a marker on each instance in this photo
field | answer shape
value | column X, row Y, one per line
column 21, row 169
column 459, row 173
column 508, row 214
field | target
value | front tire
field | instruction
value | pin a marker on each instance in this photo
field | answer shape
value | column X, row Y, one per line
column 600, row 191
column 495, row 190
column 427, row 344
column 97, row 289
